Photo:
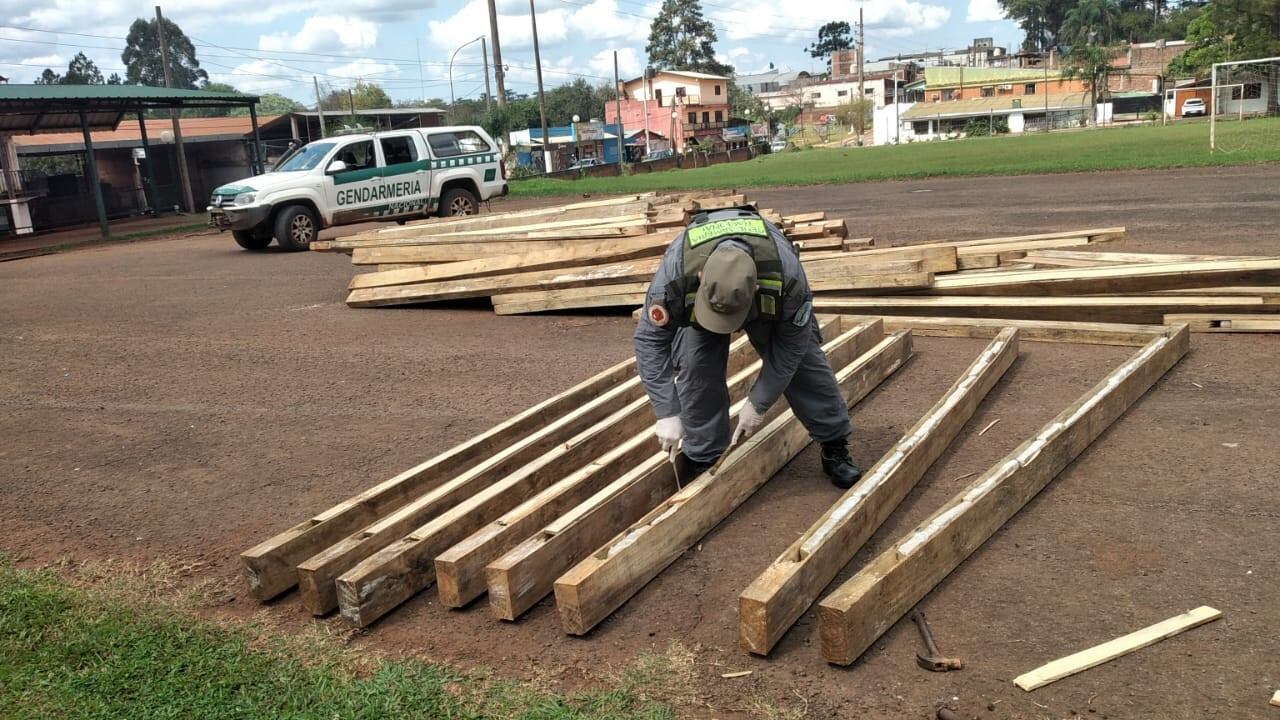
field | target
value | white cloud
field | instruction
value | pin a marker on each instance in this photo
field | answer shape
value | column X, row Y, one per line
column 630, row 63
column 75, row 15
column 364, row 69
column 600, row 20
column 515, row 30
column 984, row 11
column 57, row 62
column 790, row 21
column 324, row 33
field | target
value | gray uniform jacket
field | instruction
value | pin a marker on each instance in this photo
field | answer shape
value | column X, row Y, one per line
column 788, row 341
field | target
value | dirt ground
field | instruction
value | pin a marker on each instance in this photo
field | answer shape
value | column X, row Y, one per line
column 184, row 400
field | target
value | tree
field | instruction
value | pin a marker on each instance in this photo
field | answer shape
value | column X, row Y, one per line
column 856, row 115
column 680, row 38
column 1092, row 64
column 515, row 115
column 832, row 37
column 271, row 104
column 1090, row 21
column 142, row 61
column 743, row 104
column 49, row 77
column 1230, row 30
column 82, row 71
column 1041, row 20
column 115, row 79
column 364, row 95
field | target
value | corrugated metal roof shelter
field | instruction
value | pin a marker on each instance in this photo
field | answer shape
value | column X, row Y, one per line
column 998, row 105
column 29, row 109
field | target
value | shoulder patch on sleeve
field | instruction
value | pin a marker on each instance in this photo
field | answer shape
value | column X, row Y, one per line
column 657, row 313
column 802, row 315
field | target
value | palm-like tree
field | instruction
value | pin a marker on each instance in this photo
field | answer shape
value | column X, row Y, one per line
column 1090, row 21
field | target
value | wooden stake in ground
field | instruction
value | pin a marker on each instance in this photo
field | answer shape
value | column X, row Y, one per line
column 270, row 566
column 1108, row 651
column 786, row 589
column 863, row 608
column 605, row 580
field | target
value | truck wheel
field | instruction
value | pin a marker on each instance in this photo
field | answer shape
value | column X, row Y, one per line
column 458, row 201
column 296, row 227
column 249, row 240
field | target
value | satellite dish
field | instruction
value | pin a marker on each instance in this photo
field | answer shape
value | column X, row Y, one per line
column 166, row 136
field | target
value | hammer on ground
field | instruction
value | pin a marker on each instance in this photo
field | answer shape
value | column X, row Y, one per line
column 934, row 661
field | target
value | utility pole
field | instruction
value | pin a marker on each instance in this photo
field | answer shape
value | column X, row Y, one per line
column 422, row 84
column 497, row 55
column 617, row 109
column 319, row 106
column 351, row 102
column 862, row 55
column 644, row 88
column 185, row 179
column 488, row 93
column 542, row 98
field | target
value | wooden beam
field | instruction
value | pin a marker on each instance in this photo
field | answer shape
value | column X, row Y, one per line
column 932, row 259
column 863, row 608
column 316, row 573
column 1085, row 333
column 1123, row 278
column 1142, row 309
column 1092, row 258
column 269, row 567
column 859, row 276
column 1108, row 651
column 460, row 252
column 600, row 296
column 589, row 252
column 629, row 271
column 604, row 580
column 385, row 565
column 995, row 254
column 424, row 235
column 460, row 576
column 786, row 589
column 1201, row 323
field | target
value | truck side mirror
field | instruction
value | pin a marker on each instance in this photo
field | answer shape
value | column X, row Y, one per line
column 336, row 167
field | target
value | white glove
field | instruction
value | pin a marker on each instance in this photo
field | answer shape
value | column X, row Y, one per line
column 669, row 431
column 749, row 420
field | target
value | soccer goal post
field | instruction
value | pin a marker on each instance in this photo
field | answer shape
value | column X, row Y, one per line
column 1244, row 110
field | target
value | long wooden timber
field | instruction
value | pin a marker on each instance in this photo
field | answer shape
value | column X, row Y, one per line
column 526, row 573
column 604, row 580
column 1091, row 258
column 1123, row 278
column 460, row 570
column 270, row 566
column 596, row 296
column 786, row 589
column 856, row 274
column 1203, row 323
column 629, row 271
column 1084, row 333
column 994, row 255
column 1142, row 309
column 578, row 227
column 864, row 607
column 932, row 259
column 460, row 252
column 553, row 442
column 589, row 252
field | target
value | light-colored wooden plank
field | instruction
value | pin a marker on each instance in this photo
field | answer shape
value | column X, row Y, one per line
column 1084, row 333
column 590, row 252
column 612, row 273
column 1123, row 278
column 460, row 569
column 459, row 252
column 1142, row 309
column 316, row 573
column 269, row 567
column 786, row 589
column 932, row 259
column 995, row 254
column 881, row 592
column 405, row 546
column 858, row 244
column 1202, row 323
column 604, row 580
column 1094, row 258
column 1108, row 651
column 1275, row 699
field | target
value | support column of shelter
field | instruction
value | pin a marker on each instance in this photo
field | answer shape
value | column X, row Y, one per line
column 148, row 168
column 92, row 177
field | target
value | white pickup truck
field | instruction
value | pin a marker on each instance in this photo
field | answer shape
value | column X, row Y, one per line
column 392, row 175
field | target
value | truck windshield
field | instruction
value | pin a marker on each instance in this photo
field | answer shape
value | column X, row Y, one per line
column 306, row 158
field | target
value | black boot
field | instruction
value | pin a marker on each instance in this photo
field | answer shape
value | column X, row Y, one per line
column 687, row 470
column 837, row 464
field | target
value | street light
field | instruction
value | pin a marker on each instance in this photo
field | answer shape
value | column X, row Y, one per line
column 453, row 100
column 577, row 142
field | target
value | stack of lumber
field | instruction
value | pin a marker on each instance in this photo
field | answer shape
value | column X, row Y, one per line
column 599, row 253
column 602, row 254
column 573, row 496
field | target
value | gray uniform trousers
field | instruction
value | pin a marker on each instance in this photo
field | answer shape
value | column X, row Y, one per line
column 700, row 359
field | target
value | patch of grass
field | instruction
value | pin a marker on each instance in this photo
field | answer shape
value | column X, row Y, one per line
column 71, row 650
column 1143, row 147
column 163, row 231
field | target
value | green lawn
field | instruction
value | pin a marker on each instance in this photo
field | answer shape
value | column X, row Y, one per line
column 69, row 651
column 1180, row 145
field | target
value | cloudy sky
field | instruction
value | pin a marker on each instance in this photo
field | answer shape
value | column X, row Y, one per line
column 278, row 46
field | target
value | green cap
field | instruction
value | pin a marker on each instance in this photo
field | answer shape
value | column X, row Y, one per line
column 726, row 290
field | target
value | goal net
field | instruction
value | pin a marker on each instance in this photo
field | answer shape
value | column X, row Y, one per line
column 1245, row 106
